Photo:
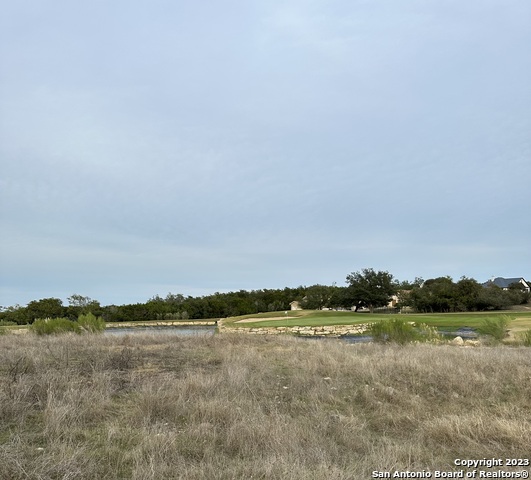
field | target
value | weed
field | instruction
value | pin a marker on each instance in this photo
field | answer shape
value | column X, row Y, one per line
column 495, row 327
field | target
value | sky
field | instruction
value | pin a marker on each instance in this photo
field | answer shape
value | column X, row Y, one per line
column 214, row 146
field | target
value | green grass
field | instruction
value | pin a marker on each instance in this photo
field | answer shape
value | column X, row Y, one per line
column 446, row 321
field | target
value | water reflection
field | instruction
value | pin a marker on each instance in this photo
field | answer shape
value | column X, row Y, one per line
column 162, row 330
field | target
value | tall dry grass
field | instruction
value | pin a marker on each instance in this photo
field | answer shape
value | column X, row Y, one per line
column 230, row 407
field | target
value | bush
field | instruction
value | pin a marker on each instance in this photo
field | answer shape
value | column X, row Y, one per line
column 85, row 323
column 495, row 327
column 398, row 330
column 6, row 323
column 50, row 326
column 428, row 333
column 393, row 330
column 91, row 323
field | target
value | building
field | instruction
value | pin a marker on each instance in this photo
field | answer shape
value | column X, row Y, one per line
column 505, row 283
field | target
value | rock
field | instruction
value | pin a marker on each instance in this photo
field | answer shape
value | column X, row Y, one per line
column 457, row 341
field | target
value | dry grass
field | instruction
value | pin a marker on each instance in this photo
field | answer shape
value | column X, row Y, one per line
column 230, row 407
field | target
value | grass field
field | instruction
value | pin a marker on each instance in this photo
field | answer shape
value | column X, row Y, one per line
column 520, row 319
column 263, row 407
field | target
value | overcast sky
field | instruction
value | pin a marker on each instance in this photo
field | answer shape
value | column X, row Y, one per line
column 161, row 146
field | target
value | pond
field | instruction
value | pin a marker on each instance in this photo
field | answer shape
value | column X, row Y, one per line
column 466, row 333
column 185, row 331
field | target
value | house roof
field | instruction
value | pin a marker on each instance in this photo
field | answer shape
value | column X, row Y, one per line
column 505, row 282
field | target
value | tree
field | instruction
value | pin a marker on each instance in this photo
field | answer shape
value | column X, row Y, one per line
column 82, row 304
column 370, row 289
column 467, row 294
column 79, row 305
column 45, row 308
column 435, row 295
column 16, row 314
column 518, row 294
column 318, row 297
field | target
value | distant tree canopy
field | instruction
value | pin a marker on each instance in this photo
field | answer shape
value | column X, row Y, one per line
column 371, row 289
column 442, row 294
column 365, row 288
column 45, row 308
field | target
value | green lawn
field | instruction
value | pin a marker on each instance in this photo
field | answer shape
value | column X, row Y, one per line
column 448, row 321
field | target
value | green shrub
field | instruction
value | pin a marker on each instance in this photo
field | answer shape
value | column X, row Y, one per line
column 6, row 323
column 495, row 327
column 90, row 323
column 85, row 323
column 524, row 338
column 398, row 330
column 50, row 326
column 395, row 330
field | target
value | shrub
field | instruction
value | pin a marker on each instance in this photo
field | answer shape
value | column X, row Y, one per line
column 395, row 330
column 428, row 333
column 6, row 323
column 90, row 323
column 85, row 323
column 495, row 327
column 50, row 326
column 398, row 330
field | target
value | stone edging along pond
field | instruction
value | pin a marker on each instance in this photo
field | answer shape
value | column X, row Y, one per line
column 320, row 331
column 328, row 330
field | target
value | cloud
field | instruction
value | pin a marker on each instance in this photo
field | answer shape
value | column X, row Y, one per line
column 251, row 145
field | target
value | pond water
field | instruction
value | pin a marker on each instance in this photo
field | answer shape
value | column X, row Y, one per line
column 466, row 333
column 185, row 331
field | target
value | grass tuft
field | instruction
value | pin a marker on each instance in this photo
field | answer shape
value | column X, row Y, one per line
column 524, row 338
column 495, row 327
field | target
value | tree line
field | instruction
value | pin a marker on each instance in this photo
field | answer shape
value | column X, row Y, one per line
column 364, row 290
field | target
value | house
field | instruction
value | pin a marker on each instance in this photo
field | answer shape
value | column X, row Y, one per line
column 393, row 302
column 295, row 305
column 504, row 283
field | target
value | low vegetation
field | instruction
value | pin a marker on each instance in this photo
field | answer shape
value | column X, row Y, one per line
column 399, row 330
column 524, row 338
column 242, row 406
column 86, row 323
column 495, row 327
